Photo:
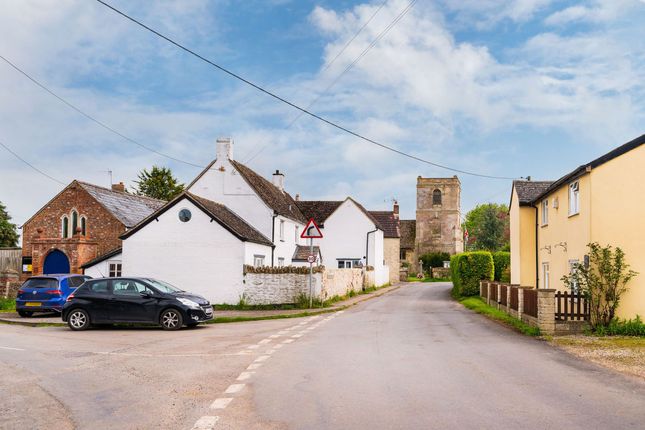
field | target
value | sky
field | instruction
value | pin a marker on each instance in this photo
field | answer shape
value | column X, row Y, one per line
column 507, row 88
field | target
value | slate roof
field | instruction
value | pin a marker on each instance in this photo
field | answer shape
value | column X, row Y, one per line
column 319, row 210
column 100, row 258
column 389, row 223
column 217, row 211
column 280, row 201
column 128, row 208
column 302, row 252
column 408, row 233
column 527, row 191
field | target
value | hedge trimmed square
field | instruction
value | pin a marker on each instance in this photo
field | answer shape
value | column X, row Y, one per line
column 467, row 269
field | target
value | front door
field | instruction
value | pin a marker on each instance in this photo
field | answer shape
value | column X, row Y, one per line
column 56, row 262
column 129, row 304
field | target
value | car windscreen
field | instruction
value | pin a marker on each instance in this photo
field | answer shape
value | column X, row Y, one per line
column 162, row 286
column 48, row 283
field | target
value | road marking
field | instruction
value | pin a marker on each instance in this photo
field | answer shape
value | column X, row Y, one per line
column 253, row 347
column 278, row 346
column 262, row 358
column 264, row 341
column 244, row 376
column 205, row 423
column 234, row 388
column 274, row 336
column 287, row 341
column 297, row 335
column 283, row 332
column 270, row 351
column 10, row 348
column 254, row 366
column 221, row 403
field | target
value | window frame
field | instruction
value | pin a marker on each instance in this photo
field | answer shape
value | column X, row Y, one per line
column 83, row 225
column 65, row 226
column 437, row 192
column 574, row 198
column 118, row 269
column 281, row 230
column 544, row 212
column 280, row 261
column 546, row 274
column 74, row 217
column 258, row 258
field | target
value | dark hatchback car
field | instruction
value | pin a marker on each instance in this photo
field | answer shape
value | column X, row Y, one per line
column 134, row 300
column 46, row 293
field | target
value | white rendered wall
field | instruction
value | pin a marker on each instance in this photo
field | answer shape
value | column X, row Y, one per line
column 285, row 248
column 252, row 249
column 199, row 256
column 102, row 269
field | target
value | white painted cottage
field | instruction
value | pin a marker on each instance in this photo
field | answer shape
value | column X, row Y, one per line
column 230, row 216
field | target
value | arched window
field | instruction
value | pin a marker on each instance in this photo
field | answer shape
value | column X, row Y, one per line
column 436, row 197
column 74, row 222
column 83, row 225
column 65, row 227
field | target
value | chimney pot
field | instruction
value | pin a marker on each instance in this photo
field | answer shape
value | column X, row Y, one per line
column 297, row 197
column 278, row 180
column 395, row 209
column 224, row 149
column 120, row 187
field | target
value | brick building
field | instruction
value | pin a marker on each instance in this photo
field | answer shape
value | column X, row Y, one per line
column 437, row 227
column 80, row 223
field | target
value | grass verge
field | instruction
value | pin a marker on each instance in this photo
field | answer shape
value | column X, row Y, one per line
column 477, row 305
column 7, row 304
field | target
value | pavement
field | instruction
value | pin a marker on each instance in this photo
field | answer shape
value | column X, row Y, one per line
column 54, row 318
column 411, row 359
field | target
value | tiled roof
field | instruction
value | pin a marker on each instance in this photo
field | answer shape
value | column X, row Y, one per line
column 389, row 223
column 302, row 252
column 128, row 208
column 408, row 233
column 280, row 201
column 103, row 257
column 527, row 191
column 319, row 210
column 220, row 213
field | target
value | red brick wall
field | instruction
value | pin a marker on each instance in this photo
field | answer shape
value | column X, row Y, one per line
column 44, row 232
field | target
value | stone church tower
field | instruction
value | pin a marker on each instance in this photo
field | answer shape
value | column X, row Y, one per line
column 438, row 224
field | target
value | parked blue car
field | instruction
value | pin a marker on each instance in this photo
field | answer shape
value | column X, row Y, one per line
column 46, row 293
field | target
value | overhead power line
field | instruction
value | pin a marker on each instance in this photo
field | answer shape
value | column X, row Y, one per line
column 93, row 119
column 30, row 165
column 293, row 105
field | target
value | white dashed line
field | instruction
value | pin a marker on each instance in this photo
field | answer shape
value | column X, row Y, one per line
column 297, row 335
column 221, row 403
column 11, row 349
column 278, row 346
column 262, row 358
column 234, row 388
column 270, row 351
column 282, row 332
column 264, row 341
column 287, row 341
column 244, row 376
column 205, row 423
column 253, row 347
column 254, row 366
column 274, row 336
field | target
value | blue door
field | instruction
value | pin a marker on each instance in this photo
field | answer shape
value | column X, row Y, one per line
column 56, row 262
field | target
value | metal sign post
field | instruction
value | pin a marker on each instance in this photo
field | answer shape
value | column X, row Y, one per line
column 311, row 232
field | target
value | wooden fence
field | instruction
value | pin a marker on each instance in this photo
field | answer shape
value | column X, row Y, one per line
column 514, row 298
column 531, row 303
column 571, row 307
column 493, row 291
column 503, row 294
column 10, row 259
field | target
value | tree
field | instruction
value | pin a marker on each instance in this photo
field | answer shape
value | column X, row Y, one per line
column 603, row 282
column 8, row 231
column 159, row 183
column 488, row 227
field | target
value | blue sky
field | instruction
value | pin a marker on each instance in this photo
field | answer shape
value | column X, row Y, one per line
column 507, row 88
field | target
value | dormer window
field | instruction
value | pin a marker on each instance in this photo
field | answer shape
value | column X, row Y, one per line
column 436, row 197
column 574, row 198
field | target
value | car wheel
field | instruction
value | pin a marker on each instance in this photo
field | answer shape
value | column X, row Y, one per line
column 171, row 319
column 25, row 314
column 78, row 320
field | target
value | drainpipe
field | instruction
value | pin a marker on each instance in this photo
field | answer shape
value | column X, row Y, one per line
column 537, row 250
column 273, row 237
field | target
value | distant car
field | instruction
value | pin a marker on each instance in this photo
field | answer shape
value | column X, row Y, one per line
column 134, row 300
column 46, row 293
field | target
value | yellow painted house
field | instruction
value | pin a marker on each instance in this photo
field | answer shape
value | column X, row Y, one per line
column 602, row 201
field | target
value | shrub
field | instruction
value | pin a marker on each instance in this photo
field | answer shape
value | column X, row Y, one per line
column 618, row 327
column 467, row 269
column 433, row 259
column 502, row 261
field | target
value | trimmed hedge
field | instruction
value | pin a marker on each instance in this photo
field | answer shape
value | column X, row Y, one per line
column 501, row 261
column 433, row 259
column 467, row 269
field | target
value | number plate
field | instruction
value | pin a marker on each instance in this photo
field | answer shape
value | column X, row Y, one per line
column 32, row 304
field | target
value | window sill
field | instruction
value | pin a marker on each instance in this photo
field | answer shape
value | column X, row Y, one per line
column 575, row 214
column 544, row 225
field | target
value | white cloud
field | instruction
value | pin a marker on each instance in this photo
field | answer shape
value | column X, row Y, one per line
column 599, row 11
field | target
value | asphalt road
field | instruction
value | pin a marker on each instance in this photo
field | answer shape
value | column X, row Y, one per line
column 412, row 359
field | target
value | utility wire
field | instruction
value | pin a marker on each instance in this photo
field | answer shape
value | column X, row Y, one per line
column 293, row 105
column 93, row 119
column 29, row 164
column 347, row 69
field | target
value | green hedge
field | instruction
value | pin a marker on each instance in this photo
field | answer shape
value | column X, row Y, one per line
column 467, row 269
column 433, row 259
column 501, row 261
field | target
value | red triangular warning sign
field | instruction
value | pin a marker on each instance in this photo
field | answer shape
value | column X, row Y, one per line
column 311, row 231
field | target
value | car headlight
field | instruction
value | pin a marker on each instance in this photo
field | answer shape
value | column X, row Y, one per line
column 189, row 303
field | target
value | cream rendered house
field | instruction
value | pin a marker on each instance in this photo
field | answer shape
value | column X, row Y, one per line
column 601, row 201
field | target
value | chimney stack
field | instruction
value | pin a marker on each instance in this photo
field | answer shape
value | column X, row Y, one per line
column 278, row 180
column 120, row 187
column 395, row 209
column 297, row 197
column 224, row 149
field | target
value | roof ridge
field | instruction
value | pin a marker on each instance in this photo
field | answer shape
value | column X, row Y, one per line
column 120, row 193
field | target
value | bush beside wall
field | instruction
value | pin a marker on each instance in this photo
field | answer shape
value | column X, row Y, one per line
column 467, row 269
column 501, row 261
column 431, row 260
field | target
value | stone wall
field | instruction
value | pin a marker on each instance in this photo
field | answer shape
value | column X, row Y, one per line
column 391, row 255
column 279, row 288
column 441, row 272
column 9, row 284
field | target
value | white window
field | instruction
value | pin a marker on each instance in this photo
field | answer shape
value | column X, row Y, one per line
column 282, row 230
column 258, row 260
column 545, row 275
column 280, row 262
column 572, row 268
column 114, row 269
column 348, row 264
column 545, row 211
column 574, row 198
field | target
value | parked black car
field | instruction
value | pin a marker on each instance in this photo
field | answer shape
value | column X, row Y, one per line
column 134, row 300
